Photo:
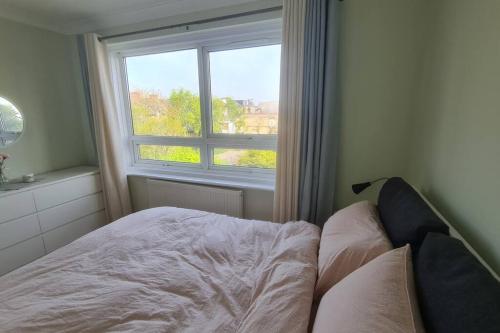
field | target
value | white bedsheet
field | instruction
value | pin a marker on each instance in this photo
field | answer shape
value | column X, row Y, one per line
column 169, row 270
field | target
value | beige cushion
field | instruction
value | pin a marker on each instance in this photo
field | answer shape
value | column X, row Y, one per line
column 378, row 297
column 350, row 238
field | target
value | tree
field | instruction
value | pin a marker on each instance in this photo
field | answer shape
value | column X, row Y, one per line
column 226, row 110
column 259, row 159
column 186, row 106
column 152, row 115
column 179, row 115
column 170, row 153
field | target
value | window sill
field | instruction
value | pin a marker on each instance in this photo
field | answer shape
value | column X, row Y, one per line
column 208, row 178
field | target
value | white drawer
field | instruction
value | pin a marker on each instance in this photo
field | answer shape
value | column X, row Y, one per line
column 18, row 230
column 21, row 254
column 71, row 211
column 67, row 233
column 15, row 206
column 69, row 190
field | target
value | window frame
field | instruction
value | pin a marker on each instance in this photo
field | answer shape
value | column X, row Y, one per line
column 226, row 38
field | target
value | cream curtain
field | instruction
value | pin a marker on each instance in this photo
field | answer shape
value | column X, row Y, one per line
column 106, row 120
column 292, row 62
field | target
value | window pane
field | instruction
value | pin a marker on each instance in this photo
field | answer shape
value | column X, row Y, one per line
column 245, row 90
column 164, row 94
column 253, row 158
column 179, row 154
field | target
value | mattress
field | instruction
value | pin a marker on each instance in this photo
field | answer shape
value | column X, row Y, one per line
column 169, row 270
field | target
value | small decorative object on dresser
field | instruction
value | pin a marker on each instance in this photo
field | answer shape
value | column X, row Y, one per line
column 29, row 178
column 3, row 177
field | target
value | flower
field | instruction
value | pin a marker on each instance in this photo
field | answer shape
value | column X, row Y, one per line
column 4, row 157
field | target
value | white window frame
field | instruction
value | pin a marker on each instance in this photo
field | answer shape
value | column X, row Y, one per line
column 205, row 41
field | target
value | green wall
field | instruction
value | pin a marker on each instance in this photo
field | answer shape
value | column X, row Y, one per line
column 378, row 64
column 39, row 73
column 420, row 98
column 456, row 144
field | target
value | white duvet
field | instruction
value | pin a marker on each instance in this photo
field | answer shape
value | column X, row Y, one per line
column 169, row 270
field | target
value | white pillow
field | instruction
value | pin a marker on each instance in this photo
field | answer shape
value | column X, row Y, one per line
column 350, row 238
column 377, row 298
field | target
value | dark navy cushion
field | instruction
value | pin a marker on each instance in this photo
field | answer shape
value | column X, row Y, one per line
column 405, row 215
column 456, row 292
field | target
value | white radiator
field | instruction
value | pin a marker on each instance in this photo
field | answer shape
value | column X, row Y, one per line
column 207, row 198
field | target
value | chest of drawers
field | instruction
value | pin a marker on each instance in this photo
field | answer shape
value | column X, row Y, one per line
column 39, row 218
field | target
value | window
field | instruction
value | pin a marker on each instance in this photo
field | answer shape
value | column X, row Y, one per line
column 164, row 96
column 207, row 105
column 245, row 88
column 256, row 158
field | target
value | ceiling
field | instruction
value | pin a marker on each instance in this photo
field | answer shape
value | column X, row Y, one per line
column 78, row 16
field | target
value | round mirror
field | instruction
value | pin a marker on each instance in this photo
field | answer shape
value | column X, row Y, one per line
column 11, row 123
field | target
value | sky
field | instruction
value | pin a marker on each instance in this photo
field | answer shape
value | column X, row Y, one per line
column 251, row 73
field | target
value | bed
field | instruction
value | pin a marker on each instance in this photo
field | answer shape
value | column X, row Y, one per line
column 386, row 268
column 169, row 270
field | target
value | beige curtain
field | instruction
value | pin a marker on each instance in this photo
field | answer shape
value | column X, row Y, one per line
column 106, row 119
column 292, row 62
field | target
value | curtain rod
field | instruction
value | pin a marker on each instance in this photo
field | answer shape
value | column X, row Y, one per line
column 187, row 24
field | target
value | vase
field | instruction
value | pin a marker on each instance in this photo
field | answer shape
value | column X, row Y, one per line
column 3, row 177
